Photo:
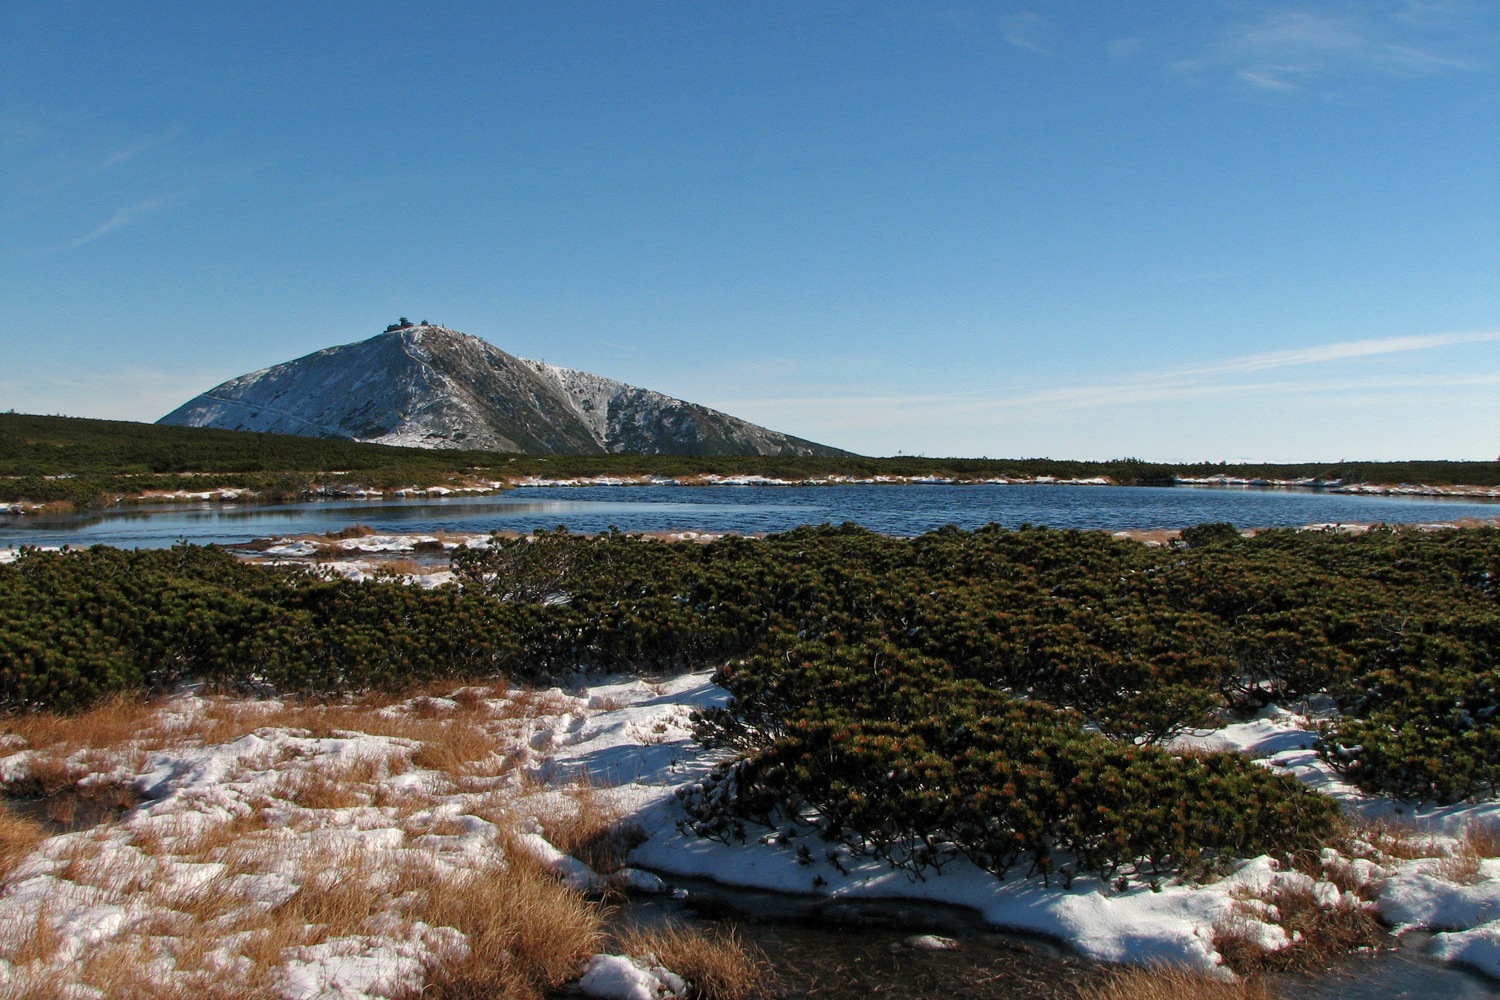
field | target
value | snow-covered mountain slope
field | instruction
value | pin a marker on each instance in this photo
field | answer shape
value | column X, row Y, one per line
column 431, row 387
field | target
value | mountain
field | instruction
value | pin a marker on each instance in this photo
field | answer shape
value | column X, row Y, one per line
column 431, row 387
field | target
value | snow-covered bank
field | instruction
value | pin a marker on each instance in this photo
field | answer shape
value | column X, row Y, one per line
column 256, row 800
column 298, row 851
column 1353, row 489
column 1171, row 923
column 832, row 479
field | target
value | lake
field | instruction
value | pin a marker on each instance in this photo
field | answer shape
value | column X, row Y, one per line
column 906, row 509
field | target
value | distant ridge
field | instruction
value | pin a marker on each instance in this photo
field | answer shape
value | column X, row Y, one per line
column 431, row 387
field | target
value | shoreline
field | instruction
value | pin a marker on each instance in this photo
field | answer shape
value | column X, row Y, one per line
column 248, row 497
column 360, row 552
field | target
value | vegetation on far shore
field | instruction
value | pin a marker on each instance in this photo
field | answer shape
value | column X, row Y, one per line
column 91, row 463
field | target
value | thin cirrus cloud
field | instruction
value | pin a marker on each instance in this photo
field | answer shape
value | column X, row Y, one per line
column 1231, row 376
column 59, row 171
column 121, row 218
column 134, row 151
column 1341, row 351
column 1025, row 30
column 1292, row 49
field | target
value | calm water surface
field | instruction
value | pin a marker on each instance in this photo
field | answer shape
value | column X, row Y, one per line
column 896, row 509
column 824, row 949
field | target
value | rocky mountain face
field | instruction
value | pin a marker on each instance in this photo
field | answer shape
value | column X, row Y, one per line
column 431, row 387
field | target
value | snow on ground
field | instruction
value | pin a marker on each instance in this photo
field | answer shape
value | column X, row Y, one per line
column 832, row 479
column 1174, row 924
column 630, row 741
column 228, row 830
column 368, row 557
column 11, row 555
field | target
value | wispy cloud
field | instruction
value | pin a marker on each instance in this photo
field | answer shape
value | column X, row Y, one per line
column 122, row 217
column 1232, row 376
column 1290, row 48
column 133, row 151
column 1341, row 351
column 1025, row 30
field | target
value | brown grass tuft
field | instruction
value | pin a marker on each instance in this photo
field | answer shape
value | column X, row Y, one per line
column 401, row 567
column 717, row 966
column 18, row 838
column 1319, row 933
column 114, row 970
column 1161, row 983
column 589, row 828
column 315, row 790
column 37, row 942
column 1394, row 839
column 455, row 746
column 117, row 720
column 203, row 840
column 1462, row 864
column 341, row 889
column 1482, row 838
column 475, row 699
column 525, row 931
column 47, row 773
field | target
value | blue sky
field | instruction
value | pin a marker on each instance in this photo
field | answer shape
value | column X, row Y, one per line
column 1183, row 230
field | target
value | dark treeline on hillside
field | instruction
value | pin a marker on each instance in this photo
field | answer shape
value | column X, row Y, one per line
column 33, row 445
column 105, row 459
column 1125, row 471
column 1005, row 695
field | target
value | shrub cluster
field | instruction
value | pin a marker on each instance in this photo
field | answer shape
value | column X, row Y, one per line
column 76, row 626
column 1399, row 627
column 882, row 751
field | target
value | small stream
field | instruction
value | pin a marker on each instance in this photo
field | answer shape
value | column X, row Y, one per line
column 858, row 950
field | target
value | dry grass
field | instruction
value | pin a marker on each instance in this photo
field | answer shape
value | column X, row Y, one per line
column 1460, row 867
column 341, row 888
column 1482, row 838
column 1459, row 862
column 47, row 773
column 197, row 838
column 525, row 931
column 1161, row 983
column 200, row 904
column 400, row 567
column 91, row 860
column 32, row 945
column 117, row 720
column 1394, row 839
column 1320, row 933
column 18, row 838
column 717, row 966
column 1463, row 863
column 588, row 826
column 456, row 746
column 73, row 806
column 315, row 790
column 114, row 969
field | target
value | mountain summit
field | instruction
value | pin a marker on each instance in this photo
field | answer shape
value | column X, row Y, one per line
column 430, row 387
